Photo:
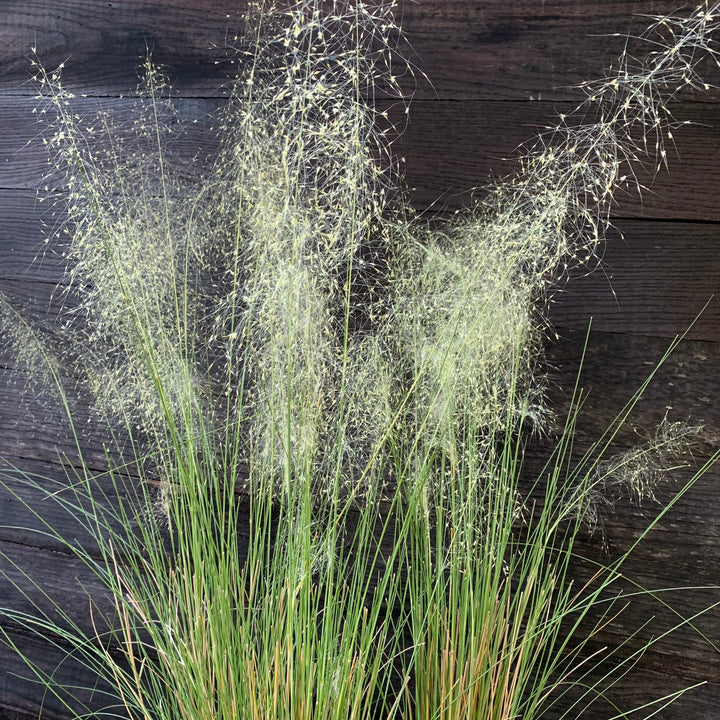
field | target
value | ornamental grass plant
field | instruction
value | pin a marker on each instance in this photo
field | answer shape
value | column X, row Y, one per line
column 274, row 338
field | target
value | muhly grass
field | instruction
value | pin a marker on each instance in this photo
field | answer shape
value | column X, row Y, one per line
column 277, row 325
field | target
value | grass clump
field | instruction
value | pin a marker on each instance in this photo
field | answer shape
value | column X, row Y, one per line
column 279, row 346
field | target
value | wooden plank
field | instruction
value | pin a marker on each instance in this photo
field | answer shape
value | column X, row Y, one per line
column 674, row 566
column 492, row 49
column 654, row 279
column 54, row 584
column 47, row 504
column 478, row 142
column 22, row 232
column 698, row 704
column 682, row 550
column 635, row 691
column 522, row 50
column 32, row 580
column 104, row 43
column 24, row 160
column 35, row 425
column 23, row 699
column 614, row 366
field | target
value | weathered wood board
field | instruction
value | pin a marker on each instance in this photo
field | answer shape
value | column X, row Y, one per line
column 497, row 72
column 467, row 50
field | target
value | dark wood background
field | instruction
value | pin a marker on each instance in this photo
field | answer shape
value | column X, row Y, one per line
column 499, row 70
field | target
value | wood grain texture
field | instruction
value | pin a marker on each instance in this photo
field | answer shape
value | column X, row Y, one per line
column 469, row 50
column 24, row 160
column 19, row 694
column 448, row 150
column 103, row 43
column 654, row 278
